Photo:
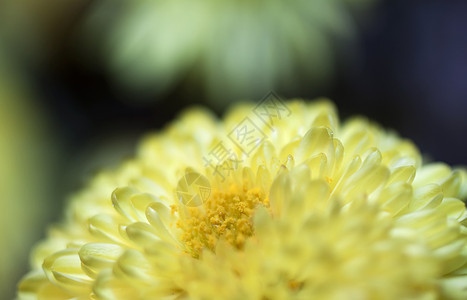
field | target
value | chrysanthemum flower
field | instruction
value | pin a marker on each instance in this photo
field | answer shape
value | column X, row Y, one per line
column 222, row 46
column 283, row 204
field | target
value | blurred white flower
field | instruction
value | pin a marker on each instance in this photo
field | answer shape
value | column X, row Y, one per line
column 229, row 49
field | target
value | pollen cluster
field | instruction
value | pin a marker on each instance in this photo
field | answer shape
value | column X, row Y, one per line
column 224, row 215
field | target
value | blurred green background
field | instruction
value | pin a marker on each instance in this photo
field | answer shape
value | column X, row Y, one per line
column 82, row 80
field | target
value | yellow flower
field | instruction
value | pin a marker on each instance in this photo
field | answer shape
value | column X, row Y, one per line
column 266, row 204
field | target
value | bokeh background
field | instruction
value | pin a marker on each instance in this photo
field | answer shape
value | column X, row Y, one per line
column 82, row 80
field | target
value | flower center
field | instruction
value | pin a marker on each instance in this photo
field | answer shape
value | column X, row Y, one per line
column 226, row 214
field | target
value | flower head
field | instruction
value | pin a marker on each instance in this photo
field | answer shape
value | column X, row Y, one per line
column 302, row 207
